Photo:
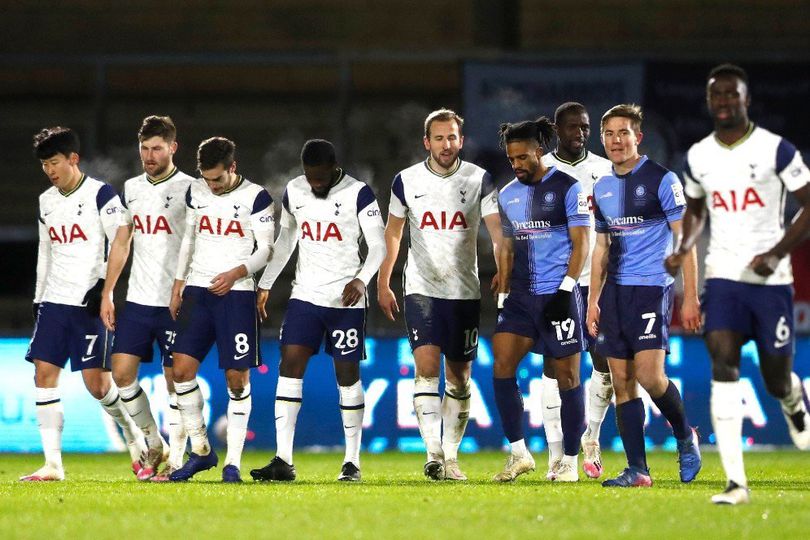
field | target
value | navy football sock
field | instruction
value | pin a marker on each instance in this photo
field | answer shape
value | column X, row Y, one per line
column 630, row 420
column 672, row 408
column 510, row 406
column 572, row 416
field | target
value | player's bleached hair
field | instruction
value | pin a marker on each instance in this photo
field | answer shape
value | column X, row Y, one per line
column 158, row 126
column 569, row 107
column 540, row 130
column 56, row 140
column 728, row 69
column 443, row 115
column 625, row 110
column 215, row 151
column 318, row 152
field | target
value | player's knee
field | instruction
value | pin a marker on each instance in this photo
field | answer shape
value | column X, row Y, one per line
column 566, row 377
column 600, row 363
column 778, row 387
column 457, row 389
column 122, row 378
column 347, row 374
column 723, row 372
column 292, row 370
column 97, row 387
column 182, row 374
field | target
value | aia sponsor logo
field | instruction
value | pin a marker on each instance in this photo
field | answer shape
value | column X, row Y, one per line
column 443, row 221
column 220, row 227
column 320, row 231
column 65, row 235
column 151, row 224
column 735, row 201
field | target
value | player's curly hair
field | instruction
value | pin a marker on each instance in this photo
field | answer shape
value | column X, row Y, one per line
column 625, row 110
column 540, row 130
column 728, row 69
column 318, row 152
column 158, row 126
column 56, row 140
column 214, row 151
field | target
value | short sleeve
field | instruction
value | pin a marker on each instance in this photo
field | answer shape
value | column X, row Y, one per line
column 364, row 198
column 576, row 207
column 791, row 167
column 398, row 207
column 693, row 188
column 671, row 197
column 489, row 196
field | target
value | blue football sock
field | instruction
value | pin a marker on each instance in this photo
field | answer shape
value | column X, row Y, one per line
column 630, row 420
column 572, row 417
column 672, row 408
column 510, row 406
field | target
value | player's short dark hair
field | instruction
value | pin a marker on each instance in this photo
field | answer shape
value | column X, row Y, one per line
column 158, row 126
column 215, row 151
column 624, row 110
column 730, row 70
column 443, row 115
column 318, row 152
column 56, row 140
column 540, row 130
column 569, row 107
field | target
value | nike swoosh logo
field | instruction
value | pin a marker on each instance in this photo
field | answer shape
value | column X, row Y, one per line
column 240, row 356
column 470, row 351
column 48, row 214
column 201, row 207
column 780, row 344
column 131, row 200
column 87, row 358
column 418, row 196
column 427, row 413
column 277, row 417
column 300, row 207
column 551, row 408
column 344, row 353
column 349, row 427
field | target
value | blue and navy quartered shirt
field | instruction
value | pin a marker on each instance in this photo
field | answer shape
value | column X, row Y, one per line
column 537, row 218
column 636, row 209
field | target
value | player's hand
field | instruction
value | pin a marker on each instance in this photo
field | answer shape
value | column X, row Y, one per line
column 673, row 263
column 107, row 311
column 222, row 283
column 353, row 292
column 764, row 264
column 35, row 310
column 387, row 301
column 92, row 300
column 176, row 300
column 261, row 300
column 690, row 313
column 494, row 285
column 592, row 320
column 559, row 307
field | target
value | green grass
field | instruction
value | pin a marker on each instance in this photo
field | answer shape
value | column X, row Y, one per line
column 101, row 499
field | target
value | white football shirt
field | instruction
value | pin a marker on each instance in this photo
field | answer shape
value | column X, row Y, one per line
column 157, row 212
column 74, row 229
column 744, row 186
column 443, row 214
column 328, row 232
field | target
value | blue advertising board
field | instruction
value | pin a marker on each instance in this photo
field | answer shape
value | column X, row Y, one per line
column 390, row 423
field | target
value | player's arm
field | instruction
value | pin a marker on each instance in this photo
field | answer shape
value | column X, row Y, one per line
column 397, row 212
column 119, row 252
column 262, row 225
column 579, row 225
column 694, row 219
column 489, row 211
column 368, row 215
column 43, row 265
column 183, row 258
column 282, row 251
column 599, row 265
column 690, row 308
column 796, row 178
column 506, row 257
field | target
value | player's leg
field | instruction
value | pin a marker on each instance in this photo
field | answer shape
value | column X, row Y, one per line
column 50, row 419
column 460, row 347
column 239, row 407
column 178, row 438
column 49, row 352
column 352, row 408
column 600, row 394
column 572, row 415
column 509, row 349
column 455, row 414
column 773, row 333
column 552, row 422
column 630, row 421
column 423, row 322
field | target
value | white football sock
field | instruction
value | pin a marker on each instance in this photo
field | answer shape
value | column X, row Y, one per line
column 51, row 420
column 428, row 407
column 352, row 407
column 455, row 415
column 727, row 419
column 137, row 406
column 177, row 433
column 600, row 393
column 518, row 448
column 190, row 402
column 794, row 401
column 238, row 416
column 289, row 395
column 112, row 403
column 551, row 403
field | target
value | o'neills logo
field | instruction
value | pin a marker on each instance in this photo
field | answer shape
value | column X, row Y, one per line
column 533, row 224
column 629, row 220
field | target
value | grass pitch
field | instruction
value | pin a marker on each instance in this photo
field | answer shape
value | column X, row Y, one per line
column 100, row 498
